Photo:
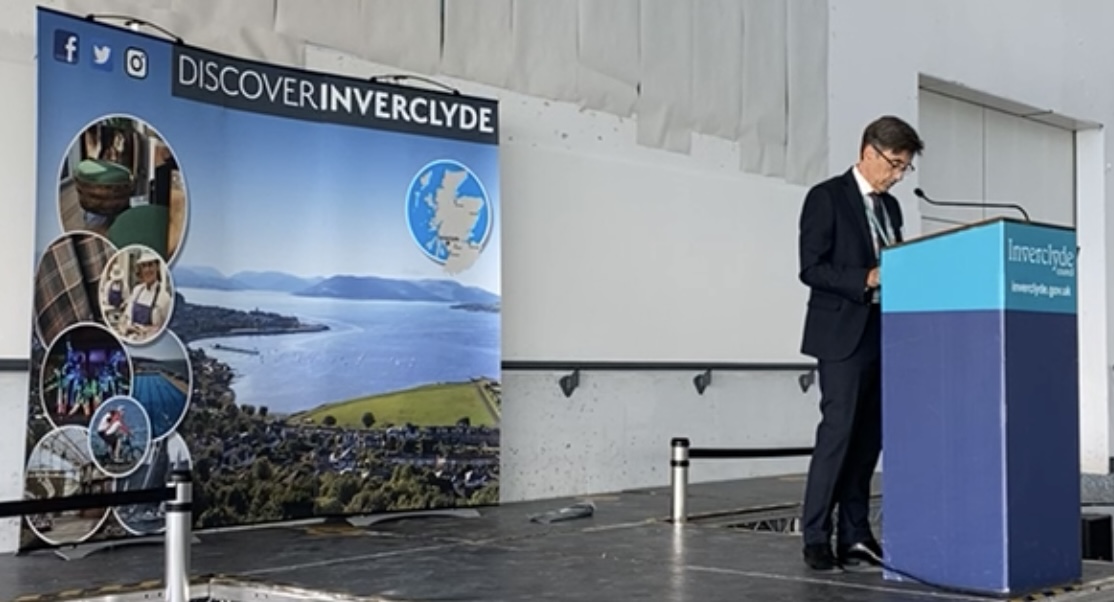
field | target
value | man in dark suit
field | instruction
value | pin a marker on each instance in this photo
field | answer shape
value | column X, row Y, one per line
column 844, row 223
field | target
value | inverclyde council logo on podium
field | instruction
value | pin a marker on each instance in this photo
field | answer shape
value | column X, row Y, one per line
column 1040, row 269
column 449, row 214
column 1058, row 257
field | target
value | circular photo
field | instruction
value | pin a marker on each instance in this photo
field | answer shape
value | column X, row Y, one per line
column 449, row 214
column 120, row 436
column 85, row 366
column 167, row 455
column 60, row 466
column 163, row 380
column 66, row 283
column 136, row 295
column 120, row 179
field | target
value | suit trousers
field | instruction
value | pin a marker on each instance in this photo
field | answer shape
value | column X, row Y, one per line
column 848, row 442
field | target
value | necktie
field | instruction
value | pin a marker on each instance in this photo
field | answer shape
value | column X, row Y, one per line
column 880, row 215
column 879, row 238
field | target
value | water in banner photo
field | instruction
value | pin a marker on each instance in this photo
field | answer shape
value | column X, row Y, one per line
column 286, row 281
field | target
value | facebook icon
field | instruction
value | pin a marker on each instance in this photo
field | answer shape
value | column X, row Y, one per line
column 66, row 45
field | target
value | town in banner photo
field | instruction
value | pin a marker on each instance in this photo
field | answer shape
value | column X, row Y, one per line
column 297, row 296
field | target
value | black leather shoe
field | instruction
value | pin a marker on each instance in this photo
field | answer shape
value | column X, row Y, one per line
column 819, row 557
column 861, row 556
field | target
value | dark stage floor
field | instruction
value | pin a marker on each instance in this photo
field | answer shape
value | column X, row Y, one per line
column 625, row 552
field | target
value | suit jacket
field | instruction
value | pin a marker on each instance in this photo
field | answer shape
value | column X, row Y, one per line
column 836, row 252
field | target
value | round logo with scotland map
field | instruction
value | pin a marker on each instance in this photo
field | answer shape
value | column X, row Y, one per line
column 449, row 214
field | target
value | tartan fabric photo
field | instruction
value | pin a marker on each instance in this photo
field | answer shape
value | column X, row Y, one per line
column 66, row 283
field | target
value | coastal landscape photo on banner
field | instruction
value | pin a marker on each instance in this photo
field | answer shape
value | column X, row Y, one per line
column 287, row 282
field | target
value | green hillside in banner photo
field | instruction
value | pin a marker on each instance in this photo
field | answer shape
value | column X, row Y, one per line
column 296, row 295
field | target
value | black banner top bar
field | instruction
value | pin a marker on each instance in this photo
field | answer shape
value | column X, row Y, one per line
column 221, row 80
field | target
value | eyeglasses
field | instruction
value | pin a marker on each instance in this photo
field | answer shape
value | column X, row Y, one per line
column 894, row 163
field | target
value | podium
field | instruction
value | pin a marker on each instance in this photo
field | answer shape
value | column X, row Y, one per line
column 980, row 398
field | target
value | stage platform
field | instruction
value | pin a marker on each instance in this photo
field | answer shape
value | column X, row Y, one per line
column 734, row 548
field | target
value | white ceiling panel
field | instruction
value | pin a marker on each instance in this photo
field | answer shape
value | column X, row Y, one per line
column 764, row 104
column 478, row 43
column 717, row 63
column 665, row 101
column 545, row 50
column 222, row 14
column 608, row 54
column 806, row 134
column 401, row 33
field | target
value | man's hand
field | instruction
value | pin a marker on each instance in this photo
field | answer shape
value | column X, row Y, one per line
column 873, row 278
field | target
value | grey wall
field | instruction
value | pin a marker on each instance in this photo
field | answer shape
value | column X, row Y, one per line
column 13, row 406
column 613, row 433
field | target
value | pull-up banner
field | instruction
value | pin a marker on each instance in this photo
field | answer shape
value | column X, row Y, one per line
column 285, row 280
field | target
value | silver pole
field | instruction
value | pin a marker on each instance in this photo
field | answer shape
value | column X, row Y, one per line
column 679, row 471
column 179, row 534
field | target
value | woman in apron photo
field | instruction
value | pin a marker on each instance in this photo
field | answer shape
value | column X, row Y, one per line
column 146, row 309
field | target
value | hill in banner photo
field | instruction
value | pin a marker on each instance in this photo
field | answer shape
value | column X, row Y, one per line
column 286, row 281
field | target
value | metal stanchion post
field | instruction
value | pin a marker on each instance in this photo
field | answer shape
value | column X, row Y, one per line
column 679, row 471
column 179, row 534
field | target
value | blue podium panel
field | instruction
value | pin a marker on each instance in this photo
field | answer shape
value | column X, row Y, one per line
column 980, row 409
column 944, row 460
column 1042, row 446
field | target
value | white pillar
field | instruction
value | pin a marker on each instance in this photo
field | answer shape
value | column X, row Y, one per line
column 1094, row 357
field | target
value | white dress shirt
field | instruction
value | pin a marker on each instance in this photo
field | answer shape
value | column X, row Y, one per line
column 865, row 190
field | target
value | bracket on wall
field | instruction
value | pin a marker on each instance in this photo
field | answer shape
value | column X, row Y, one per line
column 702, row 380
column 134, row 24
column 806, row 380
column 569, row 382
column 397, row 78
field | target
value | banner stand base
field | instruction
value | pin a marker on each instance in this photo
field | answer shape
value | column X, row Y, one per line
column 371, row 519
column 83, row 550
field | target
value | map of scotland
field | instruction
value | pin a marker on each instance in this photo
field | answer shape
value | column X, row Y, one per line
column 449, row 215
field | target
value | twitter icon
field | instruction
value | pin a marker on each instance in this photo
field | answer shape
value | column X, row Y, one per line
column 101, row 56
